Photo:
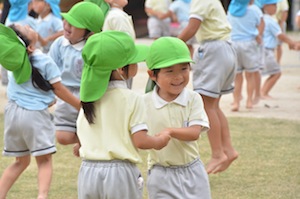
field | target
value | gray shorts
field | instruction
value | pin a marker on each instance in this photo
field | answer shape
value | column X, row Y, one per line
column 247, row 55
column 109, row 179
column 65, row 115
column 27, row 132
column 188, row 181
column 260, row 62
column 158, row 28
column 214, row 68
column 271, row 65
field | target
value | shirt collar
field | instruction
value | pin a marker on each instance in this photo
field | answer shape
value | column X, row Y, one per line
column 182, row 99
column 117, row 84
column 78, row 46
column 47, row 18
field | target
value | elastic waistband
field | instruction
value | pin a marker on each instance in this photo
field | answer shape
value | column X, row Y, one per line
column 178, row 166
column 106, row 163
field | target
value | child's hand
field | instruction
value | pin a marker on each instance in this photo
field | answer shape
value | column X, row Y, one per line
column 163, row 139
column 76, row 148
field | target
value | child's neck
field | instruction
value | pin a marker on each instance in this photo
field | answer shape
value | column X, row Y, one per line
column 114, row 5
column 45, row 14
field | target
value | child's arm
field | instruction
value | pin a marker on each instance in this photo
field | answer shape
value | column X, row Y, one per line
column 284, row 38
column 45, row 41
column 190, row 30
column 190, row 133
column 142, row 140
column 63, row 93
column 260, row 29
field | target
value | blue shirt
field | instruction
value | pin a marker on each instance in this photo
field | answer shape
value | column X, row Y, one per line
column 181, row 10
column 245, row 28
column 69, row 60
column 28, row 96
column 271, row 32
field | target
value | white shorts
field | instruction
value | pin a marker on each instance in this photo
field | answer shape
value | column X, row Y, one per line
column 109, row 179
column 214, row 68
column 158, row 28
column 28, row 132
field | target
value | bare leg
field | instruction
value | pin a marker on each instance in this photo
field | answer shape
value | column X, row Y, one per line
column 218, row 157
column 268, row 85
column 250, row 78
column 237, row 93
column 257, row 82
column 279, row 53
column 12, row 173
column 44, row 174
column 66, row 137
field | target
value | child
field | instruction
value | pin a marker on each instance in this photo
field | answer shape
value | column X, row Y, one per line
column 213, row 74
column 117, row 19
column 245, row 21
column 272, row 32
column 49, row 23
column 156, row 26
column 176, row 170
column 111, row 124
column 28, row 125
column 83, row 19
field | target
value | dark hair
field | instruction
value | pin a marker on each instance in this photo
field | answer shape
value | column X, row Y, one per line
column 89, row 111
column 38, row 81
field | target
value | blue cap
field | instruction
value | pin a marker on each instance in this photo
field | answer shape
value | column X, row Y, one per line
column 54, row 4
column 238, row 8
column 266, row 2
column 18, row 10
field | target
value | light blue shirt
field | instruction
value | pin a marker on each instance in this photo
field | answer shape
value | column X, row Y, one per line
column 28, row 20
column 271, row 32
column 47, row 27
column 181, row 10
column 245, row 28
column 28, row 96
column 69, row 60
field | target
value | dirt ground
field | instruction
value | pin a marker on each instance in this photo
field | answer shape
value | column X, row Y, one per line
column 286, row 93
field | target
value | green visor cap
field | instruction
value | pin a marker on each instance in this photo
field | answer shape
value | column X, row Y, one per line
column 13, row 55
column 167, row 51
column 103, row 53
column 85, row 15
column 102, row 4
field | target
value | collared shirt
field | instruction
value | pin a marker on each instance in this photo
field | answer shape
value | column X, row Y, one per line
column 28, row 96
column 119, row 114
column 117, row 19
column 48, row 26
column 186, row 110
column 214, row 24
column 69, row 60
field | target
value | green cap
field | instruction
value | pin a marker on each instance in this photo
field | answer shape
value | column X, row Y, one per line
column 13, row 55
column 85, row 15
column 167, row 51
column 103, row 53
column 102, row 4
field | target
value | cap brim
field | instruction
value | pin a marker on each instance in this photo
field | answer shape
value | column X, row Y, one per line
column 141, row 52
column 94, row 83
column 72, row 21
column 172, row 62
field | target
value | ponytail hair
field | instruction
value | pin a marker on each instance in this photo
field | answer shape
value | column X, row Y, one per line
column 38, row 81
column 89, row 111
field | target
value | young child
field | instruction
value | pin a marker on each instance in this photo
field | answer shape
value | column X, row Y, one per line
column 175, row 170
column 157, row 27
column 28, row 126
column 245, row 21
column 272, row 33
column 118, row 19
column 83, row 19
column 213, row 74
column 112, row 122
column 49, row 23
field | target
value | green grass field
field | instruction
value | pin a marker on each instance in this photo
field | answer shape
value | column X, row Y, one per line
column 268, row 166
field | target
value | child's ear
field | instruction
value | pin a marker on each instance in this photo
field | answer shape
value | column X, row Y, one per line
column 152, row 75
column 30, row 48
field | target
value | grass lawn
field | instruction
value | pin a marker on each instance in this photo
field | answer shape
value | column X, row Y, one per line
column 267, row 168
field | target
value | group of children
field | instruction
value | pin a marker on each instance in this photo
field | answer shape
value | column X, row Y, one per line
column 89, row 70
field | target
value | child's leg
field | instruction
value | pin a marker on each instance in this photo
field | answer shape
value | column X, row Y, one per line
column 237, row 93
column 218, row 157
column 11, row 174
column 250, row 78
column 66, row 137
column 269, row 84
column 44, row 163
column 257, row 81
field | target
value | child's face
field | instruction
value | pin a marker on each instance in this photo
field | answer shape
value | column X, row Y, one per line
column 73, row 34
column 28, row 32
column 41, row 7
column 117, row 3
column 172, row 80
column 270, row 9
